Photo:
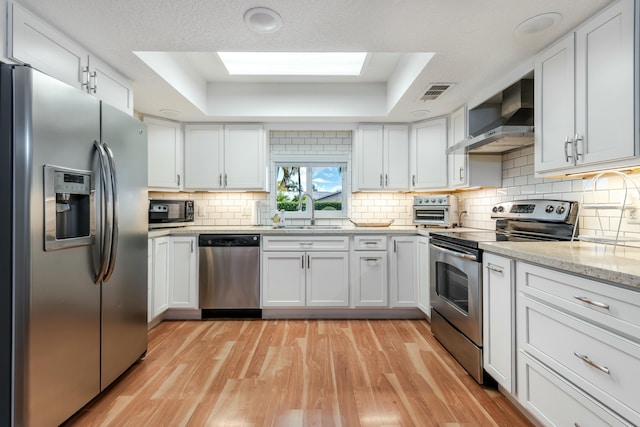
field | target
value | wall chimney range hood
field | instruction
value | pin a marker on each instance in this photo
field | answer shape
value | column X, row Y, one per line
column 502, row 123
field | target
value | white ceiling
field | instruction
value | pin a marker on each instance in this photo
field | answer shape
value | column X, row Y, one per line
column 473, row 41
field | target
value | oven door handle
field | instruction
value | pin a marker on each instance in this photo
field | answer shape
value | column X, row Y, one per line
column 462, row 255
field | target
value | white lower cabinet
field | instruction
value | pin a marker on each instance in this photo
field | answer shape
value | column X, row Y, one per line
column 369, row 271
column 283, row 279
column 498, row 316
column 183, row 285
column 301, row 271
column 554, row 401
column 327, row 279
column 403, row 271
column 161, row 251
column 424, row 276
column 584, row 332
column 150, row 280
column 173, row 281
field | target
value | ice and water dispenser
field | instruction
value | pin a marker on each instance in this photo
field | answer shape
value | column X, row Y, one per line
column 69, row 208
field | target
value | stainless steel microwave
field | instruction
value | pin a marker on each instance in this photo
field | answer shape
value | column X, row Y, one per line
column 170, row 213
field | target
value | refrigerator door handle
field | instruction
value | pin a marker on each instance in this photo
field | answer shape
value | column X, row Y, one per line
column 113, row 252
column 105, row 227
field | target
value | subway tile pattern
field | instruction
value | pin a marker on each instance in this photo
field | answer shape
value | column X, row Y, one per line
column 518, row 182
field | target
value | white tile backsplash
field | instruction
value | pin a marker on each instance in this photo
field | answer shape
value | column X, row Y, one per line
column 519, row 182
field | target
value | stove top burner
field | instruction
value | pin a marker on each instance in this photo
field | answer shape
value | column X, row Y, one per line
column 520, row 221
column 471, row 239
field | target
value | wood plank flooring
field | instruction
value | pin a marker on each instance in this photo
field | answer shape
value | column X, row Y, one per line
column 297, row 373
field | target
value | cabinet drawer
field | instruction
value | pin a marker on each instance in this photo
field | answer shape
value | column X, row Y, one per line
column 556, row 402
column 603, row 364
column 305, row 243
column 370, row 243
column 612, row 307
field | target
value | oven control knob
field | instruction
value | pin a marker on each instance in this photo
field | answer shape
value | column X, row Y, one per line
column 560, row 210
column 433, row 200
column 500, row 209
column 495, row 209
column 549, row 209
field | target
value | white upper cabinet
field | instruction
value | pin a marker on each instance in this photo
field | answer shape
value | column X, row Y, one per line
column 224, row 157
column 554, row 106
column 585, row 90
column 165, row 154
column 203, row 155
column 458, row 158
column 429, row 154
column 458, row 124
column 110, row 86
column 382, row 158
column 32, row 41
column 244, row 157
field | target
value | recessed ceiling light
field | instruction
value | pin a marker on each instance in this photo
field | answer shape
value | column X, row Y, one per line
column 294, row 63
column 263, row 20
column 420, row 113
column 538, row 23
column 169, row 113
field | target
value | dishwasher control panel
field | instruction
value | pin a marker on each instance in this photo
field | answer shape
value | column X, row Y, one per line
column 228, row 240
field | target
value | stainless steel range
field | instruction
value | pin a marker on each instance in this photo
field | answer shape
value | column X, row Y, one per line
column 456, row 270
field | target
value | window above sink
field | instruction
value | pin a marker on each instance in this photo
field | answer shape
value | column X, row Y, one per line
column 324, row 181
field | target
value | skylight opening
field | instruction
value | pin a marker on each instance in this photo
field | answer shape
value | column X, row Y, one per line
column 294, row 63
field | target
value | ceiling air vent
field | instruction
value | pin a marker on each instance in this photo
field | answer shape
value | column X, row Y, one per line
column 434, row 91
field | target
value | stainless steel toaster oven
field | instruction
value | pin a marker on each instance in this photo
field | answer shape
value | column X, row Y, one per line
column 435, row 210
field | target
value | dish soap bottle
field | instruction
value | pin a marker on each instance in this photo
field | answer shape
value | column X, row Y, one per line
column 278, row 219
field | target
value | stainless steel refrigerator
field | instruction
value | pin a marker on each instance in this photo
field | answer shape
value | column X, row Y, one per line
column 73, row 247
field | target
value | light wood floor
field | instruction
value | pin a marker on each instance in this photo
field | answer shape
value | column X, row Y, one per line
column 297, row 373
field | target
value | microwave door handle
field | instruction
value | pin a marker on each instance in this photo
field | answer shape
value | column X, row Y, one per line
column 462, row 255
column 105, row 201
column 113, row 253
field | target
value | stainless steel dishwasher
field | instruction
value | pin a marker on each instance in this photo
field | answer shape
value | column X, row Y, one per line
column 229, row 267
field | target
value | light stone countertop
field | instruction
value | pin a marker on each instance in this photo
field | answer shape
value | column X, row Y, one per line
column 594, row 260
column 258, row 229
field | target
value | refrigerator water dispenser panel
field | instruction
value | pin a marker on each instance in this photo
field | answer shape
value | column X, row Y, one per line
column 69, row 208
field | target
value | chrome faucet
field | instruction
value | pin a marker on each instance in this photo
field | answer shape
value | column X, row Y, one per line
column 310, row 206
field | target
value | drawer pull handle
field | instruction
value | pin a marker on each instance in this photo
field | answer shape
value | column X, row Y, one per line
column 591, row 363
column 371, row 259
column 370, row 243
column 594, row 303
column 494, row 268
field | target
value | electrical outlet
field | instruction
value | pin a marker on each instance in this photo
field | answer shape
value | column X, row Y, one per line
column 246, row 211
column 633, row 210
